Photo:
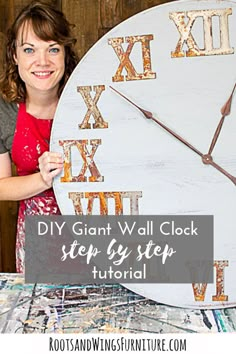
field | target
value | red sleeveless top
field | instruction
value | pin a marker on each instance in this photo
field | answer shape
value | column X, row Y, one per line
column 30, row 141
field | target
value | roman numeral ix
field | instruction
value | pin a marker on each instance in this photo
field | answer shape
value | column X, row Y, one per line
column 87, row 158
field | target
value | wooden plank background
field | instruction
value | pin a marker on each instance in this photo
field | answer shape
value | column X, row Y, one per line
column 92, row 19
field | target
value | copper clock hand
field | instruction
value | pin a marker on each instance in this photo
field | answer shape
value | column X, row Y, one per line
column 225, row 111
column 149, row 115
column 206, row 159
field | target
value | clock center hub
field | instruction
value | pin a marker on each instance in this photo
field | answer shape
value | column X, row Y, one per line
column 207, row 159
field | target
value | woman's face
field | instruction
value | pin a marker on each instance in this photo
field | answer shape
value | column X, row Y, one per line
column 41, row 64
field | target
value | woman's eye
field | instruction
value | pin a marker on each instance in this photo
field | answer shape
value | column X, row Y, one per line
column 54, row 50
column 28, row 50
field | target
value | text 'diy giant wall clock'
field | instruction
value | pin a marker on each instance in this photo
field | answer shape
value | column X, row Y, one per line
column 177, row 61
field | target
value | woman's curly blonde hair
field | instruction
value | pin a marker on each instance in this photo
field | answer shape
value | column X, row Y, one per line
column 48, row 24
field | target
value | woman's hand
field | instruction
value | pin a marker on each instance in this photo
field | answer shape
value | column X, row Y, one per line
column 50, row 165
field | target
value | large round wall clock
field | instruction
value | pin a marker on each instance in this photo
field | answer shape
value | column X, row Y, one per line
column 175, row 64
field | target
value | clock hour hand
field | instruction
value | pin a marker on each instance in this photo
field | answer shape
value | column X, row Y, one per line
column 149, row 115
column 206, row 159
column 225, row 111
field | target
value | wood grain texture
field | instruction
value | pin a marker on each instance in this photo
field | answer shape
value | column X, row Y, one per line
column 8, row 219
column 84, row 15
column 146, row 4
column 110, row 13
column 2, row 44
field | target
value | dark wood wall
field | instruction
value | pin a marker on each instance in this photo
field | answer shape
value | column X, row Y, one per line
column 92, row 19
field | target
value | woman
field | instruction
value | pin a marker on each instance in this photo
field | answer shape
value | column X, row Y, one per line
column 40, row 57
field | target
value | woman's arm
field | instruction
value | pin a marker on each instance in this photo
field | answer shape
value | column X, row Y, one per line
column 23, row 187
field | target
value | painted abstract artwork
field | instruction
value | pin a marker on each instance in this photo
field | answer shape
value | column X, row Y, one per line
column 44, row 308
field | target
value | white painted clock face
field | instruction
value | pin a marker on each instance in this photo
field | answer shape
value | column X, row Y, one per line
column 178, row 61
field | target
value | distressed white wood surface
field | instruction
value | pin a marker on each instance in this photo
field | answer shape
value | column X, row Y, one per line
column 137, row 155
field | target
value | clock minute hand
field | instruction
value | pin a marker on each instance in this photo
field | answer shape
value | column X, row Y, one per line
column 206, row 159
column 209, row 161
column 225, row 111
